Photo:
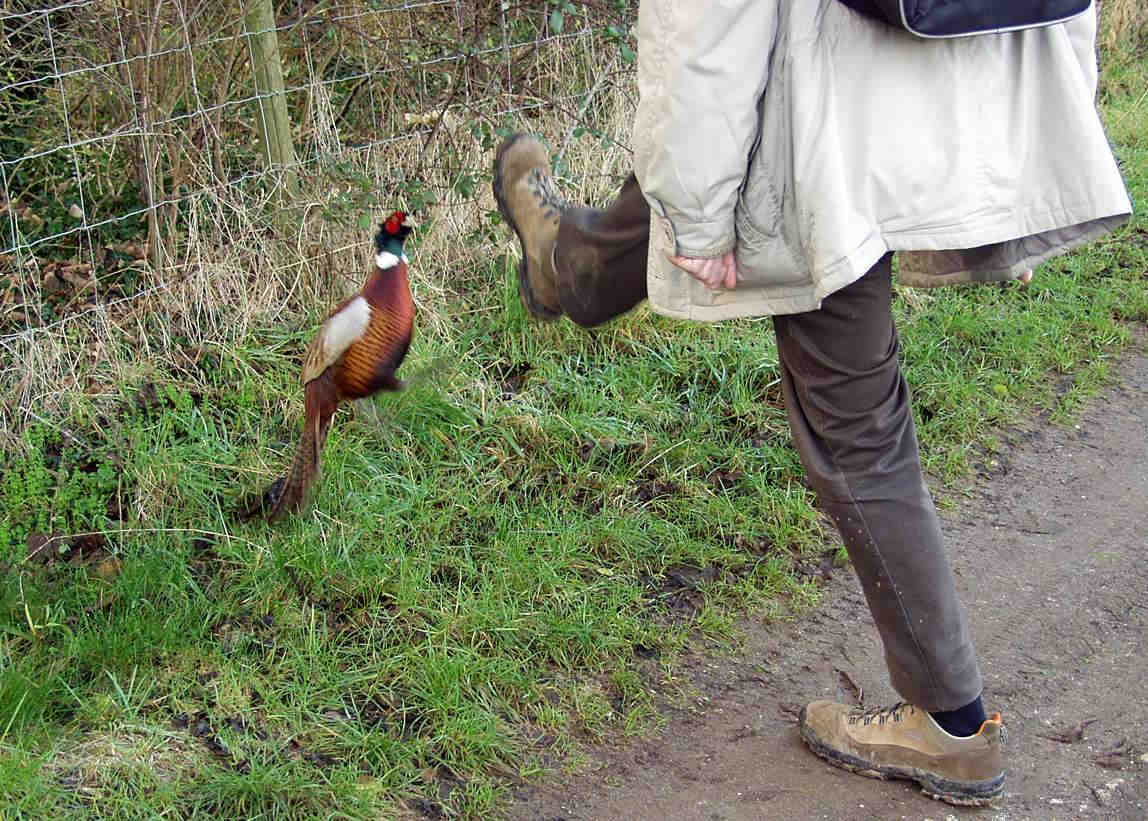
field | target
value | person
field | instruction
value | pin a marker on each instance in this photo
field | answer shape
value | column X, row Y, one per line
column 784, row 150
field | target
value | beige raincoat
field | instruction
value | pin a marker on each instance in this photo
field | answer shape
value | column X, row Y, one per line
column 814, row 140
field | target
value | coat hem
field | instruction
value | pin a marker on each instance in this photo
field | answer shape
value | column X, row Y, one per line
column 968, row 275
column 807, row 297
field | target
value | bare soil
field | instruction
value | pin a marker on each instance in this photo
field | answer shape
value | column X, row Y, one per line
column 1050, row 546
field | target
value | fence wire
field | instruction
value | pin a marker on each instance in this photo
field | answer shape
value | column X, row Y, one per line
column 123, row 121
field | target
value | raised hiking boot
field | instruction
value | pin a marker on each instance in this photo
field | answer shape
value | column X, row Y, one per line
column 529, row 202
column 904, row 741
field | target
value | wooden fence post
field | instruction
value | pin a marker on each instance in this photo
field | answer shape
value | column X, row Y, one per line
column 274, row 126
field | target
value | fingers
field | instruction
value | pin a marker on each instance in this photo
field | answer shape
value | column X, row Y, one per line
column 709, row 272
column 706, row 271
column 714, row 273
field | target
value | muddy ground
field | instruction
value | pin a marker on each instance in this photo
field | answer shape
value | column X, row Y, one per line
column 1050, row 547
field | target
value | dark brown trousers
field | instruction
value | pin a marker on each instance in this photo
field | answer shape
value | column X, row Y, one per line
column 849, row 416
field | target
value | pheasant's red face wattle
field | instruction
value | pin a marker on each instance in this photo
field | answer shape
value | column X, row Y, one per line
column 394, row 222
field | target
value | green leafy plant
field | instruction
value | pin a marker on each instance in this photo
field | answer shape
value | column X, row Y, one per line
column 54, row 485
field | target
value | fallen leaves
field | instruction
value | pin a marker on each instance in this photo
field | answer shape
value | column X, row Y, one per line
column 61, row 277
column 1116, row 757
column 848, row 690
column 1068, row 735
column 46, row 548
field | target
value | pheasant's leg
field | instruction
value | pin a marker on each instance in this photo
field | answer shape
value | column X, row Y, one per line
column 368, row 413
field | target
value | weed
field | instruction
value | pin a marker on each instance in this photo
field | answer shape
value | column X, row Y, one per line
column 502, row 563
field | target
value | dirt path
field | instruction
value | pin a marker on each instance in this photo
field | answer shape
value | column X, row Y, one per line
column 1050, row 546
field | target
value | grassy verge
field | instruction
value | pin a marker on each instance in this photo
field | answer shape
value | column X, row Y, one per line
column 503, row 562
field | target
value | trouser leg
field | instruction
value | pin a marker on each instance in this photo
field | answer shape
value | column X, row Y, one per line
column 849, row 415
column 848, row 408
column 600, row 257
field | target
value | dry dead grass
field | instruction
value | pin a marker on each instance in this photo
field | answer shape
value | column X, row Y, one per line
column 231, row 279
column 103, row 763
column 1123, row 23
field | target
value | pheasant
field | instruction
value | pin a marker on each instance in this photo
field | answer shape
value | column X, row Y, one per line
column 355, row 354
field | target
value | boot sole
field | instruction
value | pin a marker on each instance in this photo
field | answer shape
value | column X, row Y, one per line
column 529, row 300
column 960, row 793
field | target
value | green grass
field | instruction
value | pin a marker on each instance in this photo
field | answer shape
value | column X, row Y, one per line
column 502, row 563
column 479, row 586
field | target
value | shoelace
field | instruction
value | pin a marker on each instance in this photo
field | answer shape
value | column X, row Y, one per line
column 880, row 714
column 543, row 188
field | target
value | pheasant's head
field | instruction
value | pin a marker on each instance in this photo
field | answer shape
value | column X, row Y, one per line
column 389, row 240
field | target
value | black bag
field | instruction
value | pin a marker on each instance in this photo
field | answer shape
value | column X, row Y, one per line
column 962, row 18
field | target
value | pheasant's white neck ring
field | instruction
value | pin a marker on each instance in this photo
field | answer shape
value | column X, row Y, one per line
column 385, row 259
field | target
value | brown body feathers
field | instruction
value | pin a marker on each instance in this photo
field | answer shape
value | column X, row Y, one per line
column 354, row 355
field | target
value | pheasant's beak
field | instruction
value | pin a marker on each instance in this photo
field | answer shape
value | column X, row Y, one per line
column 409, row 221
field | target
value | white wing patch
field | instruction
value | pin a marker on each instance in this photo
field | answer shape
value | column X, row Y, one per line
column 336, row 334
column 385, row 259
column 345, row 327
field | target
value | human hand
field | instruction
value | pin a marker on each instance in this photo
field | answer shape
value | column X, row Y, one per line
column 1026, row 277
column 713, row 272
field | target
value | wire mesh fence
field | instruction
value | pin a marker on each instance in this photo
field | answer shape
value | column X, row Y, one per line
column 141, row 137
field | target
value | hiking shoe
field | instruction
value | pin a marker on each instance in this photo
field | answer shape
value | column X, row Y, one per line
column 904, row 741
column 529, row 202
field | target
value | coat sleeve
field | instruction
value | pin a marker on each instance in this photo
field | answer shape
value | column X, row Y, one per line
column 702, row 69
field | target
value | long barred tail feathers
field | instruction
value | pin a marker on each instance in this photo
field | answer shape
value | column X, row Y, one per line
column 296, row 485
column 306, row 467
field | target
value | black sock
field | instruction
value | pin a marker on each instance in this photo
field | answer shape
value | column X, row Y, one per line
column 964, row 721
